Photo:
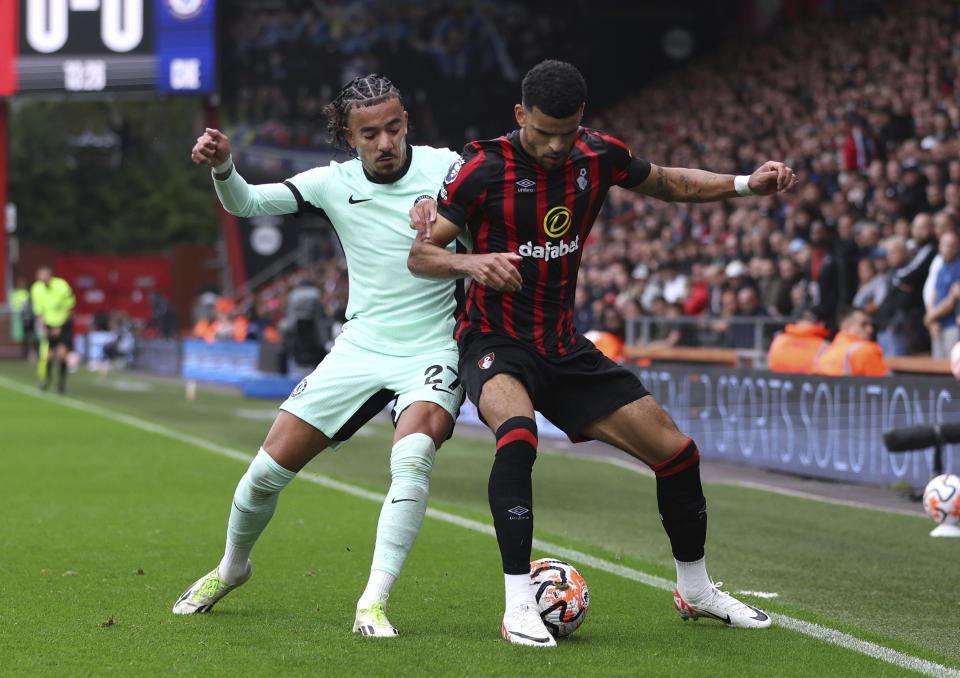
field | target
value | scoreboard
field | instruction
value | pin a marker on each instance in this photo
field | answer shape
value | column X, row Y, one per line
column 72, row 46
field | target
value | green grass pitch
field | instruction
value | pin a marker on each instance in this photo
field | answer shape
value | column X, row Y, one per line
column 115, row 498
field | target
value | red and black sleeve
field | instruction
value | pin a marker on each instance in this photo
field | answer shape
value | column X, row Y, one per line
column 628, row 170
column 464, row 187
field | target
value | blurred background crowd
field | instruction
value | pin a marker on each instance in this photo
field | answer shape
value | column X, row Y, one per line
column 288, row 62
column 865, row 110
column 861, row 97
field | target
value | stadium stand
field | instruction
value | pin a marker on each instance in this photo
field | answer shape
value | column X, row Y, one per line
column 864, row 106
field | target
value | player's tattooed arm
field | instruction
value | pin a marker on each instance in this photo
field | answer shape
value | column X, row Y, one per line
column 681, row 184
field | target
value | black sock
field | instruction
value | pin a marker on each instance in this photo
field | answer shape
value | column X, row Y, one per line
column 683, row 508
column 510, row 491
column 63, row 374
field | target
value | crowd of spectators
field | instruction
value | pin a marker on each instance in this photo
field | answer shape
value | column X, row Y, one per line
column 865, row 108
column 302, row 310
column 867, row 112
column 286, row 64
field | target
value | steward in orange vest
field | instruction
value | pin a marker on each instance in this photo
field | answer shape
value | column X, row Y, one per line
column 206, row 330
column 798, row 346
column 852, row 352
column 608, row 343
column 609, row 337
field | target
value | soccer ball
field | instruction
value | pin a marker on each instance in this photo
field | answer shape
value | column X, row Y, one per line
column 941, row 499
column 562, row 595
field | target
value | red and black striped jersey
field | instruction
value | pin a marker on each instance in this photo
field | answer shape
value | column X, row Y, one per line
column 511, row 204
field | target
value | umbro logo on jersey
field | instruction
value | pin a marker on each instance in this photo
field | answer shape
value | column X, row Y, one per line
column 582, row 180
column 526, row 186
column 358, row 200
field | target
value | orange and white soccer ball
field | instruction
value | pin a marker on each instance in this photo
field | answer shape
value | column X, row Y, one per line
column 941, row 499
column 562, row 595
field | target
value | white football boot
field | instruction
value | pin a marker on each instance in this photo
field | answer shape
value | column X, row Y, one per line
column 373, row 622
column 723, row 607
column 206, row 591
column 522, row 625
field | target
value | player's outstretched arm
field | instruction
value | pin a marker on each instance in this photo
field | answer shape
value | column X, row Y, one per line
column 680, row 184
column 236, row 195
column 429, row 258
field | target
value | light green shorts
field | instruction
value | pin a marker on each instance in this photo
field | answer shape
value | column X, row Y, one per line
column 352, row 384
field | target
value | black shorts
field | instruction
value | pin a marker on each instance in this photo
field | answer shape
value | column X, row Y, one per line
column 571, row 391
column 65, row 337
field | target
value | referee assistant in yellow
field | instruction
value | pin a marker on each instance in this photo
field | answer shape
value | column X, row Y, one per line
column 53, row 302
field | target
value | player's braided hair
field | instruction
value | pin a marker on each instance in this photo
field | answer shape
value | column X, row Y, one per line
column 362, row 91
column 555, row 87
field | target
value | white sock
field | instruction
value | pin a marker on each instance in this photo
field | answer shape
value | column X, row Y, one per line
column 233, row 566
column 692, row 580
column 378, row 588
column 518, row 590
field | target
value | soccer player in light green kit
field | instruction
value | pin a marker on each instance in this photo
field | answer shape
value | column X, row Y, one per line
column 397, row 341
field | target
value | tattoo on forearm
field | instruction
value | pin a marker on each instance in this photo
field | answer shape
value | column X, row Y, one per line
column 457, row 272
column 691, row 188
column 662, row 190
column 684, row 186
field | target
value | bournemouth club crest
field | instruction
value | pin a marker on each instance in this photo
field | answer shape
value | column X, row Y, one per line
column 486, row 361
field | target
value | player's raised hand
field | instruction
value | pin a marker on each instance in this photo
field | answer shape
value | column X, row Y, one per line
column 772, row 177
column 497, row 270
column 212, row 148
column 422, row 217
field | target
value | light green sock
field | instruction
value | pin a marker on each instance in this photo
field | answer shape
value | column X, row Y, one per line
column 256, row 499
column 411, row 461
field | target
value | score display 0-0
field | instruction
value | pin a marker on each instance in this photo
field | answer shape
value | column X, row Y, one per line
column 107, row 45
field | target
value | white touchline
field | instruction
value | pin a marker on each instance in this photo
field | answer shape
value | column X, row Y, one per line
column 760, row 594
column 817, row 631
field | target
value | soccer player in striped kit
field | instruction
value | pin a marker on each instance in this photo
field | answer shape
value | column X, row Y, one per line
column 528, row 200
column 397, row 341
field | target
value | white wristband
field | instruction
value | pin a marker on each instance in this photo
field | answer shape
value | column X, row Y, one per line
column 224, row 166
column 741, row 184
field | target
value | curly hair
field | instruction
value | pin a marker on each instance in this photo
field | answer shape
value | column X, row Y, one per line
column 363, row 91
column 555, row 87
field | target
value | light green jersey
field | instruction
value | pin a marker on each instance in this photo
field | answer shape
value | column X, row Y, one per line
column 389, row 310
